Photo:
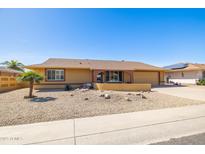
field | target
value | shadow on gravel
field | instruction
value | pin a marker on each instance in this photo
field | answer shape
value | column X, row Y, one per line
column 50, row 90
column 169, row 86
column 43, row 99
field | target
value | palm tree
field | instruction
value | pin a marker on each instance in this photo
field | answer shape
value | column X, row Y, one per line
column 14, row 64
column 31, row 77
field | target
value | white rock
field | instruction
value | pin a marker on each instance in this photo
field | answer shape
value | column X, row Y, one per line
column 127, row 99
column 77, row 89
column 107, row 96
column 84, row 90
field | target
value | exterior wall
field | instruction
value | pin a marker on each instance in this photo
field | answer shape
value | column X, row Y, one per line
column 123, row 87
column 162, row 81
column 8, row 82
column 45, row 86
column 72, row 76
column 78, row 76
column 127, row 77
column 190, row 77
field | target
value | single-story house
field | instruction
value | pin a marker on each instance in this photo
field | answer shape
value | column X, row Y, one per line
column 185, row 73
column 75, row 72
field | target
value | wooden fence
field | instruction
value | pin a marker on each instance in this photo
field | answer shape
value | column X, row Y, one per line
column 8, row 83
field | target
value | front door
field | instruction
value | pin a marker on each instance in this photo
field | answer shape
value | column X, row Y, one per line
column 100, row 77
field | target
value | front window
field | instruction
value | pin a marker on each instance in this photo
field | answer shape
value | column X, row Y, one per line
column 55, row 75
column 113, row 76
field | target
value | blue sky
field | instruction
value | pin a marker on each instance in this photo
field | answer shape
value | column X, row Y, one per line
column 155, row 36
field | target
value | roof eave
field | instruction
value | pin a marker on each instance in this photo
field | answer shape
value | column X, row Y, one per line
column 41, row 67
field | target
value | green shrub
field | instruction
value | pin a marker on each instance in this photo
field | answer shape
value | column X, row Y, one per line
column 201, row 82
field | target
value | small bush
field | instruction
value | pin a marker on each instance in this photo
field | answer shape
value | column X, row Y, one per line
column 67, row 87
column 201, row 82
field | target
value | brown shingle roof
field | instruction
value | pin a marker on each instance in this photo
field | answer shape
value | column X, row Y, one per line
column 201, row 66
column 94, row 64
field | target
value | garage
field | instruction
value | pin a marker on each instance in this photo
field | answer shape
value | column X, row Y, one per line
column 147, row 77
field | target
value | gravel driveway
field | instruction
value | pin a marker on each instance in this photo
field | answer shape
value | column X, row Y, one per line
column 58, row 105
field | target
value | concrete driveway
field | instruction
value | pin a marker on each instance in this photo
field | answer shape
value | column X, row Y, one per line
column 144, row 127
column 195, row 93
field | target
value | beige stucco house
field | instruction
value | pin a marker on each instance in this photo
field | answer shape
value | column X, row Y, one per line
column 187, row 73
column 59, row 72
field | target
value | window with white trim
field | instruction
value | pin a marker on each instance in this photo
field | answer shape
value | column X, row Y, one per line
column 113, row 76
column 55, row 75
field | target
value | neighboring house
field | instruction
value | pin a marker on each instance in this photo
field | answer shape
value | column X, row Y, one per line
column 185, row 73
column 8, row 79
column 75, row 72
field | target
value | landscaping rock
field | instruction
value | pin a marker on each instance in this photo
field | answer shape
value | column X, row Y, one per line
column 127, row 99
column 102, row 95
column 143, row 97
column 84, row 90
column 62, row 103
column 138, row 94
column 107, row 96
column 77, row 89
column 87, row 86
column 86, row 99
column 129, row 93
column 71, row 95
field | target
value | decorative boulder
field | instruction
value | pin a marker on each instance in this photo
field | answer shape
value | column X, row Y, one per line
column 143, row 97
column 138, row 94
column 127, row 99
column 107, row 96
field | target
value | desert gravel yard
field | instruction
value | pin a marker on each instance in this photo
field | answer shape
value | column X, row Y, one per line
column 58, row 105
